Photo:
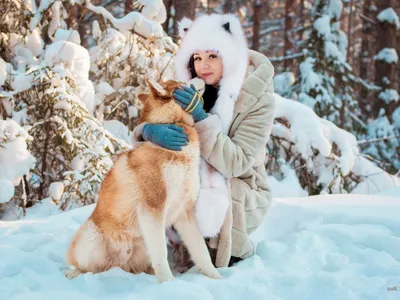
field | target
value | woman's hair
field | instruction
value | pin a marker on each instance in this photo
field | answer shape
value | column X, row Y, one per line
column 191, row 68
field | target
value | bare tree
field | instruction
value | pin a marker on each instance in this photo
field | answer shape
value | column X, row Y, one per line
column 257, row 7
column 288, row 47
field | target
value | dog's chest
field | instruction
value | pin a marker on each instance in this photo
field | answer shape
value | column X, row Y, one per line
column 181, row 182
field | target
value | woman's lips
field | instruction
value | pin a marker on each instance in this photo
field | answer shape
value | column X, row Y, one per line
column 206, row 74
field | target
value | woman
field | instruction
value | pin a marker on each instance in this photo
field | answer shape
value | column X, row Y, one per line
column 234, row 125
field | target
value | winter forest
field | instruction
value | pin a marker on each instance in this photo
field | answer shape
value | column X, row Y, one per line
column 71, row 72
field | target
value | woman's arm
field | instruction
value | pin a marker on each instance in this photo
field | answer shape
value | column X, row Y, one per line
column 234, row 156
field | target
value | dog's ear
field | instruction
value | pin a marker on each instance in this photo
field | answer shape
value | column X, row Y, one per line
column 171, row 85
column 156, row 89
column 143, row 98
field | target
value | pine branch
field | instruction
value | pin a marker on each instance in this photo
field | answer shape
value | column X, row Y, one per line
column 364, row 142
column 288, row 57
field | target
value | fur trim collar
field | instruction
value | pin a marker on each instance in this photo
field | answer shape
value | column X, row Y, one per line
column 222, row 33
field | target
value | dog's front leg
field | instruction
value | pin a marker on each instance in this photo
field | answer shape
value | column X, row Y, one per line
column 153, row 231
column 194, row 241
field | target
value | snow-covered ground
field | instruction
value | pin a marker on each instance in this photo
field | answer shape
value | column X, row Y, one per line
column 322, row 247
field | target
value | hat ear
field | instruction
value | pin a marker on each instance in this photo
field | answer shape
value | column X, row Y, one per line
column 183, row 26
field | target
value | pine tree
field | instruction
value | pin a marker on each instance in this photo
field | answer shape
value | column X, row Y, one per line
column 45, row 88
column 326, row 79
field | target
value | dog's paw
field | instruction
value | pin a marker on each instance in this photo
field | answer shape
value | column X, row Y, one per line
column 72, row 273
column 212, row 273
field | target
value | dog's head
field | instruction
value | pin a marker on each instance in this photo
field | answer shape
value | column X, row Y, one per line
column 160, row 106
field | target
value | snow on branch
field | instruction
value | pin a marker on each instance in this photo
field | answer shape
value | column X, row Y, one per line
column 134, row 21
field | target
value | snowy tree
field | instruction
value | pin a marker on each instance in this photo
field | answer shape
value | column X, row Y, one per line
column 326, row 79
column 384, row 130
column 314, row 156
column 46, row 89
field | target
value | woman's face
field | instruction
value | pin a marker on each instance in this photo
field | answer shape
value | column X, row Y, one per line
column 208, row 66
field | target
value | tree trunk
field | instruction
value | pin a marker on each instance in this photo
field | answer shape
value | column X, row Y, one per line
column 229, row 6
column 257, row 7
column 168, row 5
column 367, row 51
column 183, row 9
column 128, row 6
column 385, row 73
column 398, row 47
column 301, row 12
column 349, row 35
column 74, row 22
column 288, row 47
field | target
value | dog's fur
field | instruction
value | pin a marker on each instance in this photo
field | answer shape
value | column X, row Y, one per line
column 148, row 189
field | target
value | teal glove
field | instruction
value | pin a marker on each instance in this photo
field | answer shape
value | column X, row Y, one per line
column 191, row 101
column 169, row 136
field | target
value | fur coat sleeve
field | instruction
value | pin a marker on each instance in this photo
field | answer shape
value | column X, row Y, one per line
column 234, row 156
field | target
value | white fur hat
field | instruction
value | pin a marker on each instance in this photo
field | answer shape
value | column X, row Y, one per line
column 222, row 33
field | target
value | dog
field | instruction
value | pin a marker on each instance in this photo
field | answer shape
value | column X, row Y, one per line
column 147, row 190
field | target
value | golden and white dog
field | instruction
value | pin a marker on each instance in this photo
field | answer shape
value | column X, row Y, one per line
column 147, row 190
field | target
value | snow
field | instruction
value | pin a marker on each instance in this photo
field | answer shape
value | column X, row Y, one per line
column 389, row 55
column 75, row 59
column 3, row 71
column 288, row 185
column 132, row 21
column 56, row 190
column 374, row 179
column 15, row 159
column 111, row 43
column 396, row 118
column 312, row 79
column 309, row 132
column 282, row 83
column 389, row 95
column 332, row 51
column 67, row 35
column 118, row 130
column 35, row 43
column 390, row 16
column 322, row 247
column 154, row 10
column 323, row 26
column 392, row 192
column 335, row 8
column 6, row 190
column 55, row 18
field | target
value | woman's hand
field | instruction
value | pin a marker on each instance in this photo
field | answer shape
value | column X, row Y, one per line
column 169, row 136
column 191, row 101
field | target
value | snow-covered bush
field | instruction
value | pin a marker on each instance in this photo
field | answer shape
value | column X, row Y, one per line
column 324, row 158
column 15, row 159
column 46, row 88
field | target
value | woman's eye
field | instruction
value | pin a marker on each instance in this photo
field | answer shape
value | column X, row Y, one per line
column 212, row 56
column 197, row 58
